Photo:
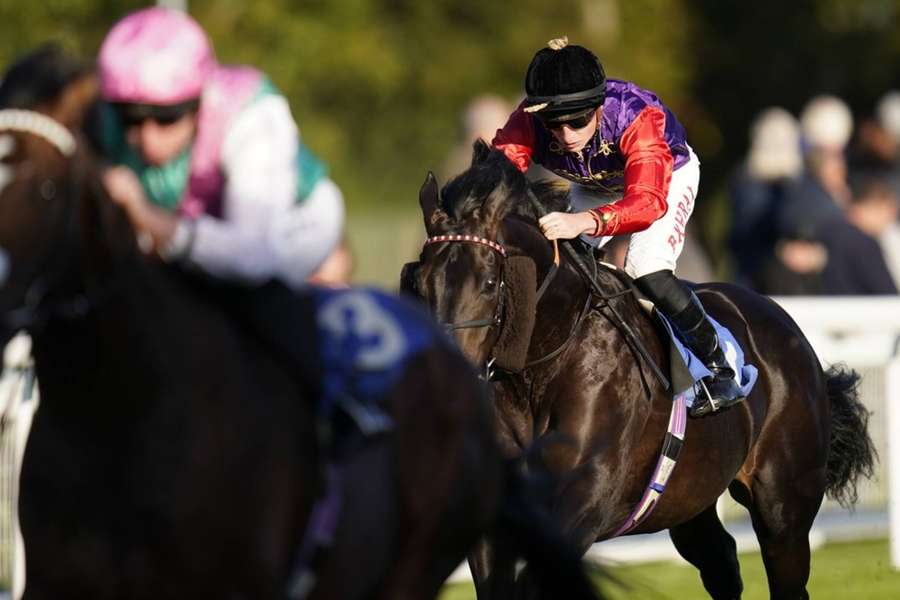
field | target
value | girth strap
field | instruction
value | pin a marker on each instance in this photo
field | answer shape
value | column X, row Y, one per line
column 665, row 465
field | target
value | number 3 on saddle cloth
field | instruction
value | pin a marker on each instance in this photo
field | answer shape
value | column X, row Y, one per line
column 364, row 341
column 687, row 373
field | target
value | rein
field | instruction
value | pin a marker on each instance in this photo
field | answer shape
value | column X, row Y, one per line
column 594, row 288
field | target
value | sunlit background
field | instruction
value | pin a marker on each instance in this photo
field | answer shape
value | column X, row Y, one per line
column 387, row 90
column 379, row 87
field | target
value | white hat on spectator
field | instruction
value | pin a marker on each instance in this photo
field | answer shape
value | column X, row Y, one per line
column 774, row 145
column 826, row 123
column 888, row 113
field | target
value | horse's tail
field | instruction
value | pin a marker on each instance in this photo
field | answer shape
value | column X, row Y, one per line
column 553, row 561
column 851, row 452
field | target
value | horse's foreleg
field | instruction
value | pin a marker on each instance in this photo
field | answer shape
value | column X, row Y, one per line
column 493, row 568
column 704, row 543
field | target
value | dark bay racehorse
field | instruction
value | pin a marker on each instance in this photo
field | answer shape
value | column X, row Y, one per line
column 565, row 370
column 175, row 452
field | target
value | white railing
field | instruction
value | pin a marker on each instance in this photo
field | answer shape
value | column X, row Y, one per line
column 864, row 333
column 18, row 401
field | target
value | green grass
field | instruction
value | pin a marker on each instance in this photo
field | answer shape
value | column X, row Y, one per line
column 859, row 570
column 381, row 241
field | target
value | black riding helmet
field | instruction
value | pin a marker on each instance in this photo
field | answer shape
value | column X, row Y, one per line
column 564, row 82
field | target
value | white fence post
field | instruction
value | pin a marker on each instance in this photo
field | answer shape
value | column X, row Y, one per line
column 893, row 436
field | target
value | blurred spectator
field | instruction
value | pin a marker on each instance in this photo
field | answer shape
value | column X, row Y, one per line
column 876, row 145
column 888, row 113
column 875, row 211
column 758, row 189
column 795, row 269
column 813, row 206
column 856, row 263
column 482, row 117
column 826, row 123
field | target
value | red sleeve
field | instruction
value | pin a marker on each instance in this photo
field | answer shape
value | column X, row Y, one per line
column 648, row 172
column 516, row 139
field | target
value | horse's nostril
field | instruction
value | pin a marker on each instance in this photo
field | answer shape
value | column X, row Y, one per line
column 4, row 266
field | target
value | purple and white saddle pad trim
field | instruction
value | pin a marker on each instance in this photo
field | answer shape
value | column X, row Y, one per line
column 686, row 373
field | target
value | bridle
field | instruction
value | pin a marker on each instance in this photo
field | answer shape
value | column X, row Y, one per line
column 35, row 309
column 496, row 320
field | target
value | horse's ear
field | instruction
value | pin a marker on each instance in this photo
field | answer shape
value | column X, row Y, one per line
column 435, row 217
column 480, row 151
column 73, row 103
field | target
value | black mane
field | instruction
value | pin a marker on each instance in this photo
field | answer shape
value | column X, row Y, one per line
column 490, row 170
column 39, row 77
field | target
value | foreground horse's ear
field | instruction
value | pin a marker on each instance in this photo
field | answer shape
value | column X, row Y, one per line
column 73, row 103
column 480, row 151
column 435, row 217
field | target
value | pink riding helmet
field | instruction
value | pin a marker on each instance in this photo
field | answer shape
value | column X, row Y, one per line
column 155, row 56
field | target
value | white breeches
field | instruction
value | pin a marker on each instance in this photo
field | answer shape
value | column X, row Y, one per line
column 656, row 248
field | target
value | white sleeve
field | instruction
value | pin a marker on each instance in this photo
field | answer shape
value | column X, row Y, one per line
column 310, row 231
column 259, row 164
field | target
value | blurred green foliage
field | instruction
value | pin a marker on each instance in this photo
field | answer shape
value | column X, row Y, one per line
column 378, row 86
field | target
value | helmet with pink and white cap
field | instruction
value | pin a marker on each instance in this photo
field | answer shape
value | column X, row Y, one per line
column 155, row 56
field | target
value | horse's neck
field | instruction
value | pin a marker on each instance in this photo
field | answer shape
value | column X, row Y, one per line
column 118, row 358
column 557, row 311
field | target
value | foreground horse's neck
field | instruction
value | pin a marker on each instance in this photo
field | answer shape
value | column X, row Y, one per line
column 110, row 355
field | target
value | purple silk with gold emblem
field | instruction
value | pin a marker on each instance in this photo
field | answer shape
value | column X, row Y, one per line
column 601, row 165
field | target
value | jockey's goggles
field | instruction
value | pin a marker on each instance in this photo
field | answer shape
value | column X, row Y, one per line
column 577, row 120
column 134, row 114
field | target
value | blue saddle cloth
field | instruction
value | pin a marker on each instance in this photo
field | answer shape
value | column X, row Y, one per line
column 687, row 370
column 366, row 338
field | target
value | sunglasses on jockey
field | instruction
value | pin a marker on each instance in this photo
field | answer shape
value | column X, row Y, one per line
column 134, row 114
column 578, row 120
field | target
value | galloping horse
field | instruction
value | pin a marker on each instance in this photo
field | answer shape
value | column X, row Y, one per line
column 566, row 363
column 176, row 452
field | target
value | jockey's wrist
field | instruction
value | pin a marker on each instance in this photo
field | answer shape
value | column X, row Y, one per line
column 601, row 221
column 179, row 244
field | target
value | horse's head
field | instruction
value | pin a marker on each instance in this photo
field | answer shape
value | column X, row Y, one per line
column 478, row 266
column 43, row 177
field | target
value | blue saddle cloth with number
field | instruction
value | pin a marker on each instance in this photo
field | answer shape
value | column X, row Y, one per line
column 366, row 338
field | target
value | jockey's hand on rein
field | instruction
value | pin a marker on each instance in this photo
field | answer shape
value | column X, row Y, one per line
column 566, row 226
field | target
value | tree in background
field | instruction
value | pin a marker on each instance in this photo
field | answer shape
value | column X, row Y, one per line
column 377, row 86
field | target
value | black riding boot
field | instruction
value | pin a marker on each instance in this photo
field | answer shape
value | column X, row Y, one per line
column 683, row 309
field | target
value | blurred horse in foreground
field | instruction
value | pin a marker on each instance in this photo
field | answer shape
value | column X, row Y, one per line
column 180, row 452
column 575, row 359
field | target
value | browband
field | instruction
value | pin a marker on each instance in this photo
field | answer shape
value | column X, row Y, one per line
column 474, row 239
